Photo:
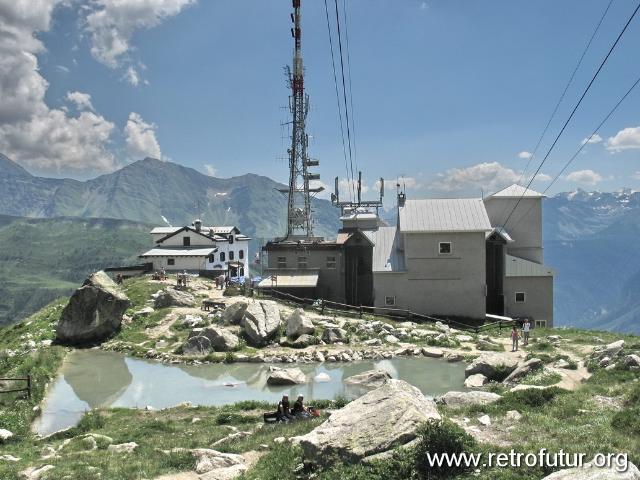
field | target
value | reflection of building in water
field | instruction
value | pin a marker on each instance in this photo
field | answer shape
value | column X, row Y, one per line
column 97, row 378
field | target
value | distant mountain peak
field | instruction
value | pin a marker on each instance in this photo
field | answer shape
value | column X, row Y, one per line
column 11, row 168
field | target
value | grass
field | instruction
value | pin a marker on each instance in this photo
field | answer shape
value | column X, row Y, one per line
column 541, row 378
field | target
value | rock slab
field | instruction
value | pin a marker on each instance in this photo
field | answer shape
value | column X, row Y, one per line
column 369, row 379
column 94, row 311
column 261, row 322
column 285, row 376
column 174, row 298
column 379, row 421
column 591, row 472
column 490, row 364
column 298, row 324
column 463, row 399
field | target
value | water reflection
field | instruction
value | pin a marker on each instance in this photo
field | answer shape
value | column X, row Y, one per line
column 93, row 378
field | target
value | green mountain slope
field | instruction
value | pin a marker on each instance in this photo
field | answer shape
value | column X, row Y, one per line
column 42, row 259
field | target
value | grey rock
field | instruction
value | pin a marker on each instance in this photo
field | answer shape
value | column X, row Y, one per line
column 334, row 335
column 298, row 324
column 381, row 420
column 391, row 339
column 524, row 369
column 261, row 322
column 632, row 360
column 94, row 312
column 192, row 321
column 513, row 416
column 489, row 364
column 285, row 376
column 234, row 313
column 214, row 465
column 123, row 448
column 463, row 399
column 369, row 379
column 591, row 472
column 35, row 473
column 196, row 345
column 432, row 352
column 610, row 350
column 5, row 435
column 484, row 420
column 174, row 298
column 477, row 380
column 304, row 340
column 222, row 340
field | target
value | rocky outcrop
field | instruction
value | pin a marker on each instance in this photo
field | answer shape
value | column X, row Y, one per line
column 36, row 473
column 214, row 465
column 464, row 399
column 94, row 312
column 123, row 448
column 221, row 340
column 369, row 379
column 196, row 345
column 261, row 322
column 192, row 321
column 285, row 376
column 492, row 365
column 304, row 340
column 298, row 324
column 524, row 369
column 591, row 472
column 174, row 298
column 610, row 350
column 334, row 335
column 234, row 313
column 379, row 421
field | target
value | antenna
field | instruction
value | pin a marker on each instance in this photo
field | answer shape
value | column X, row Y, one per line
column 352, row 206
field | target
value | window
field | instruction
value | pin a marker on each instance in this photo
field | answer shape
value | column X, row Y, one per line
column 212, row 258
column 389, row 301
column 241, row 254
column 541, row 324
column 171, row 261
column 331, row 262
column 231, row 256
column 282, row 262
column 222, row 256
column 302, row 262
column 520, row 297
column 445, row 248
column 186, row 241
column 231, row 239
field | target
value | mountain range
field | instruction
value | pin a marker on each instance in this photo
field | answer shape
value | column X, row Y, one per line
column 590, row 238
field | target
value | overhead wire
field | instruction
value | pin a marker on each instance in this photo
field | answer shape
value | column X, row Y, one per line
column 353, row 121
column 575, row 108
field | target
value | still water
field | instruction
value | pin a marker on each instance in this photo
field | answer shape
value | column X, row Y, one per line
column 93, row 378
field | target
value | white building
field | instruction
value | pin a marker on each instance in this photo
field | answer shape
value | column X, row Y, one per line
column 196, row 248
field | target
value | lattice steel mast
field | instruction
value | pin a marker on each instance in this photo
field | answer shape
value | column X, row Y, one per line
column 299, row 221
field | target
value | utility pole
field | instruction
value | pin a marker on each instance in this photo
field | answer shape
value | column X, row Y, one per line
column 299, row 221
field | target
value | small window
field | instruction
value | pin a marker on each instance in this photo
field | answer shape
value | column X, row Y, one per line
column 282, row 262
column 186, row 241
column 241, row 254
column 231, row 255
column 541, row 324
column 445, row 248
column 222, row 256
column 331, row 262
column 171, row 261
column 389, row 301
column 231, row 239
column 520, row 297
column 212, row 258
column 302, row 262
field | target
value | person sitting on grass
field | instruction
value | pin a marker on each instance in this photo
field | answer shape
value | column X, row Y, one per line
column 284, row 410
column 299, row 410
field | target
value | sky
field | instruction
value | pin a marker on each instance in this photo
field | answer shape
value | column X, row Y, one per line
column 449, row 97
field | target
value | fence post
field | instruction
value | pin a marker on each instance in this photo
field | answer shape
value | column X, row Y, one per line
column 29, row 386
column 360, row 311
column 322, row 306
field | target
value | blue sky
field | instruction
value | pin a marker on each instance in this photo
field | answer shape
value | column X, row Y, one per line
column 446, row 93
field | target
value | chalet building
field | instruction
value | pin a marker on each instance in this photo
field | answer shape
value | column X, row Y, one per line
column 196, row 248
column 445, row 257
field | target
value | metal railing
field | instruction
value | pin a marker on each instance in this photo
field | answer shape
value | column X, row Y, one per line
column 27, row 388
column 327, row 305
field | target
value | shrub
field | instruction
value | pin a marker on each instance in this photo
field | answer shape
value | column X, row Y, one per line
column 542, row 346
column 501, row 372
column 529, row 398
column 438, row 437
column 229, row 418
column 627, row 420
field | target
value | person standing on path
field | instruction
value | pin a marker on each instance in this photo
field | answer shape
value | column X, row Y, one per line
column 514, row 339
column 526, row 326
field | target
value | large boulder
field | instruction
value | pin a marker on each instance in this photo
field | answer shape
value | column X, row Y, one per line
column 464, row 399
column 214, row 465
column 477, row 380
column 524, row 369
column 492, row 365
column 94, row 311
column 369, row 379
column 196, row 345
column 610, row 350
column 234, row 313
column 174, row 298
column 298, row 324
column 377, row 422
column 590, row 472
column 304, row 340
column 261, row 322
column 222, row 340
column 334, row 335
column 285, row 376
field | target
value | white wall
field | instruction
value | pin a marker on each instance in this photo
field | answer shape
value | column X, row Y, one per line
column 538, row 302
column 181, row 263
column 235, row 247
column 196, row 240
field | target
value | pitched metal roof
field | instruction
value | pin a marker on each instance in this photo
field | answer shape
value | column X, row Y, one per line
column 444, row 215
column 164, row 230
column 517, row 191
column 502, row 233
column 291, row 279
column 519, row 267
column 386, row 256
column 179, row 252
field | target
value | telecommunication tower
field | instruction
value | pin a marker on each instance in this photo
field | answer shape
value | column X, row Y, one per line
column 299, row 221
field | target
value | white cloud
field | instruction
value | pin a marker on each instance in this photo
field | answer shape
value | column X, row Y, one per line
column 210, row 170
column 625, row 139
column 346, row 186
column 406, row 183
column 112, row 23
column 31, row 133
column 424, row 6
column 132, row 76
column 81, row 100
column 595, row 138
column 525, row 155
column 62, row 69
column 587, row 177
column 140, row 138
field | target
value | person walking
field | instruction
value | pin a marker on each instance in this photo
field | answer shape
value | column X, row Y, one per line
column 514, row 339
column 526, row 327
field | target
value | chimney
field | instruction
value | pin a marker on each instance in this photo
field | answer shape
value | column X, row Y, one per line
column 401, row 199
column 198, row 225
